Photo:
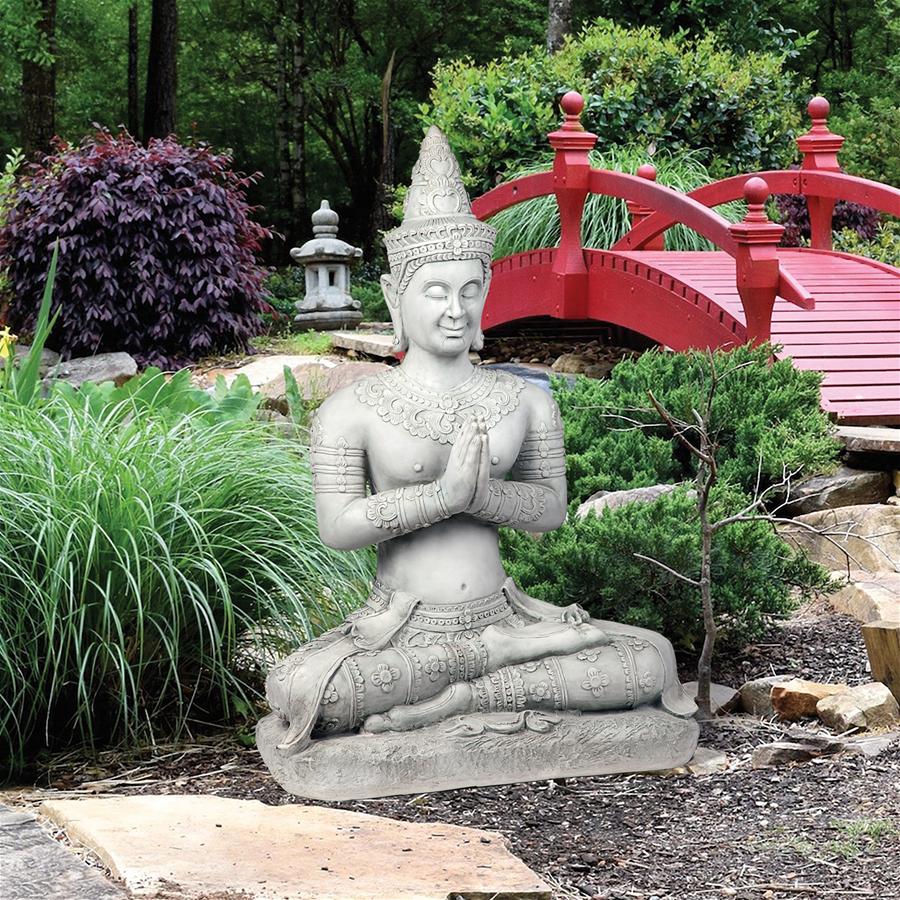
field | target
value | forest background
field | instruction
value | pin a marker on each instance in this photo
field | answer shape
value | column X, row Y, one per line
column 326, row 98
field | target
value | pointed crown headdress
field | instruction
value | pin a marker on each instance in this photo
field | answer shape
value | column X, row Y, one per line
column 437, row 217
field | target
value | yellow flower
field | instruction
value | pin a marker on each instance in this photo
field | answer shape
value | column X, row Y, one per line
column 6, row 342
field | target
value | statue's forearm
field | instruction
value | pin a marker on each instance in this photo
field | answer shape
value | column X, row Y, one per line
column 528, row 505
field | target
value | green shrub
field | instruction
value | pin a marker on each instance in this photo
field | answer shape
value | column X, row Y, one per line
column 871, row 149
column 137, row 552
column 885, row 247
column 738, row 110
column 371, row 298
column 593, row 562
column 765, row 418
column 535, row 223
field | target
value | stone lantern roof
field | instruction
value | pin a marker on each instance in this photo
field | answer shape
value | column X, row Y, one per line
column 325, row 246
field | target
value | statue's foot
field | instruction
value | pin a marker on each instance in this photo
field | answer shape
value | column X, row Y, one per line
column 508, row 646
column 454, row 700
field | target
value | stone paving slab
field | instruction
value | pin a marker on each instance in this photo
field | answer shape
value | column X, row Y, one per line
column 187, row 847
column 33, row 866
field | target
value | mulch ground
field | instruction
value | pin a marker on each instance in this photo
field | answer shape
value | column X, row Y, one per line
column 828, row 828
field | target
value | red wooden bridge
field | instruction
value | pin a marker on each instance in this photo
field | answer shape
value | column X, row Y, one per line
column 833, row 312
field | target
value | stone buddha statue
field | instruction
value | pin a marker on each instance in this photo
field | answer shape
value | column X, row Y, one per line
column 426, row 461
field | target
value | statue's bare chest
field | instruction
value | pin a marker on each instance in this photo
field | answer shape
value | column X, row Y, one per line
column 411, row 431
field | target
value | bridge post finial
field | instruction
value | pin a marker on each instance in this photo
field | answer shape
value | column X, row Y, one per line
column 571, row 167
column 637, row 212
column 820, row 147
column 756, row 261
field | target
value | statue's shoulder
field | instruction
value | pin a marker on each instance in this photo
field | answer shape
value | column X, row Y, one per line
column 340, row 415
column 541, row 406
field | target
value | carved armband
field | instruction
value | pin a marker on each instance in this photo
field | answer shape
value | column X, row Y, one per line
column 407, row 508
column 512, row 503
column 542, row 454
column 336, row 470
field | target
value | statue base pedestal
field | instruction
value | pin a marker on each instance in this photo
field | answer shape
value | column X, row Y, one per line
column 472, row 750
column 329, row 319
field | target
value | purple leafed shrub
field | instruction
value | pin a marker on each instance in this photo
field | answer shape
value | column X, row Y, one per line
column 157, row 250
column 793, row 213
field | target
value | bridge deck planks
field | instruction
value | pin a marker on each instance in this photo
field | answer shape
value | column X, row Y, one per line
column 853, row 334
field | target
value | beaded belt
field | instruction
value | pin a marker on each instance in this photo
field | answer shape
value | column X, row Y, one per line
column 450, row 618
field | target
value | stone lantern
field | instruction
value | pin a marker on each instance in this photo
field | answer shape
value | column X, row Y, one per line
column 327, row 261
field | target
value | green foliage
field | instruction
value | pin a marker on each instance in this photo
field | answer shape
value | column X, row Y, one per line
column 885, row 247
column 153, row 393
column 535, row 223
column 765, row 418
column 21, row 380
column 138, row 554
column 738, row 110
column 371, row 298
column 11, row 169
column 284, row 287
column 871, row 149
column 593, row 562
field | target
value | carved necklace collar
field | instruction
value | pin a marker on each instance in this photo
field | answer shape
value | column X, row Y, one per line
column 401, row 400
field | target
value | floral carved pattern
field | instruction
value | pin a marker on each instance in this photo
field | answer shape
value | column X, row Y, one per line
column 595, row 681
column 384, row 677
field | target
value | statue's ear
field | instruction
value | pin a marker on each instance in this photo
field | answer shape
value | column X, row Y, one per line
column 389, row 289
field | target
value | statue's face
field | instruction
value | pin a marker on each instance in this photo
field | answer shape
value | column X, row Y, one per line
column 442, row 305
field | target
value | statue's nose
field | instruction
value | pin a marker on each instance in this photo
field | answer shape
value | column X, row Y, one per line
column 455, row 308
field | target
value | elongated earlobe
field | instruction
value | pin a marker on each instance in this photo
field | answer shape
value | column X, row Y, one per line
column 389, row 289
column 478, row 341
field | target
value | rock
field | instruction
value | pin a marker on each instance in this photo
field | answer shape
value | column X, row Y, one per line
column 780, row 753
column 861, row 537
column 872, row 745
column 599, row 370
column 36, row 867
column 821, row 743
column 864, row 439
column 722, row 698
column 796, row 699
column 571, row 364
column 49, row 358
column 705, row 761
column 867, row 597
column 614, row 499
column 216, row 847
column 372, row 344
column 117, row 367
column 867, row 706
column 756, row 696
column 846, row 487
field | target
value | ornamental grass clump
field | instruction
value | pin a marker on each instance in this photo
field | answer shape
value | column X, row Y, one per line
column 157, row 250
column 535, row 223
column 146, row 561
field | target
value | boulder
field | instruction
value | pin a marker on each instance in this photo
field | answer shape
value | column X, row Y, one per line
column 116, row 367
column 867, row 706
column 867, row 597
column 49, row 358
column 722, row 698
column 845, row 487
column 756, row 695
column 796, row 699
column 857, row 537
column 572, row 364
column 614, row 499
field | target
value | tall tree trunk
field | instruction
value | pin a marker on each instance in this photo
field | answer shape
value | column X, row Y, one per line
column 162, row 70
column 559, row 23
column 133, row 111
column 298, row 113
column 386, row 174
column 283, row 113
column 39, row 91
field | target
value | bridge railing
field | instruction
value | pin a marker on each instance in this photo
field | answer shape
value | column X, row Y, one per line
column 752, row 242
column 819, row 179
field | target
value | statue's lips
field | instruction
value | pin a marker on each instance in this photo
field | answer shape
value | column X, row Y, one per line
column 453, row 332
